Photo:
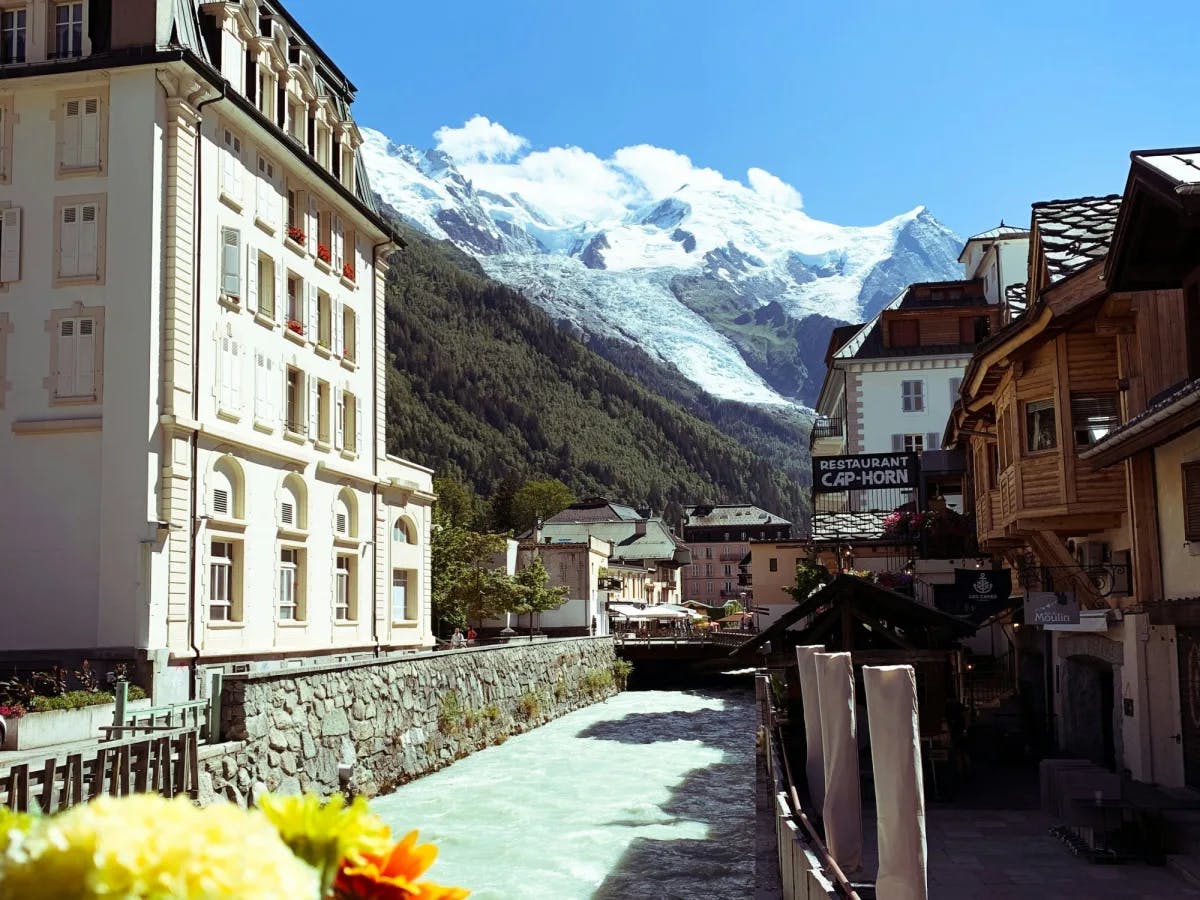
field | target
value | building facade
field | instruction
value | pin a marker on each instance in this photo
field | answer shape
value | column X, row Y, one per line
column 719, row 538
column 191, row 350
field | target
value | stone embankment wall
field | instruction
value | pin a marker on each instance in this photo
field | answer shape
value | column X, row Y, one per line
column 365, row 727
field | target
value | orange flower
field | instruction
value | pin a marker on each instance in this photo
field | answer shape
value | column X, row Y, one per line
column 393, row 876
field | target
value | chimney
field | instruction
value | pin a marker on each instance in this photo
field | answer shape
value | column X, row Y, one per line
column 639, row 527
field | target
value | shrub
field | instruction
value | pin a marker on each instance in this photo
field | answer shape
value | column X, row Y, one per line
column 530, row 705
column 11, row 711
column 597, row 682
column 621, row 670
column 451, row 714
column 79, row 699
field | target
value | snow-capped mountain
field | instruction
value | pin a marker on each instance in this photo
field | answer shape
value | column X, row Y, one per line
column 732, row 283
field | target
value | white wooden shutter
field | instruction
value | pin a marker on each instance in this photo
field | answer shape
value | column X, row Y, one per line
column 360, row 263
column 933, row 441
column 251, row 278
column 10, row 243
column 280, row 392
column 338, row 328
column 310, row 225
column 311, row 310
column 261, row 185
column 358, row 425
column 89, row 240
column 337, row 238
column 955, row 384
column 229, row 164
column 898, row 443
column 314, row 410
column 227, row 401
column 339, row 421
column 358, row 342
column 71, row 133
column 89, row 132
column 231, row 262
column 219, row 366
column 68, row 242
column 280, row 295
column 235, row 368
column 65, row 359
column 260, row 385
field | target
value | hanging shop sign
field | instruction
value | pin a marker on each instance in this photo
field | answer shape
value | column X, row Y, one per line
column 1049, row 608
column 864, row 471
column 981, row 593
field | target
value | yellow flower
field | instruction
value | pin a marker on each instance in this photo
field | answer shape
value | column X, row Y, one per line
column 149, row 848
column 393, row 875
column 12, row 825
column 325, row 832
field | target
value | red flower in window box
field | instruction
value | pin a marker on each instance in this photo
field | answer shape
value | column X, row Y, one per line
column 295, row 325
column 323, row 253
column 296, row 234
column 348, row 353
column 348, row 271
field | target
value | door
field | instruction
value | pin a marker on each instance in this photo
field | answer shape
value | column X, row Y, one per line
column 1188, row 643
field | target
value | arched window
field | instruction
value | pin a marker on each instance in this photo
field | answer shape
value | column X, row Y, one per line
column 227, row 494
column 345, row 514
column 403, row 531
column 293, row 503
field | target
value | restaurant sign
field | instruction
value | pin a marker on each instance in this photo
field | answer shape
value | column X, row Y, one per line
column 864, row 471
column 981, row 593
column 1049, row 608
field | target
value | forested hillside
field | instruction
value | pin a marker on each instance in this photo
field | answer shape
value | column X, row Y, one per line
column 484, row 387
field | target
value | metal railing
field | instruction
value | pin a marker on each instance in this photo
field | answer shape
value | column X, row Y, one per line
column 203, row 715
column 827, row 427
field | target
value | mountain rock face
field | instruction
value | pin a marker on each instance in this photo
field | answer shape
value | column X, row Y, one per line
column 733, row 285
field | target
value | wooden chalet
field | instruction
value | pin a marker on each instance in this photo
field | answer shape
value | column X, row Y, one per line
column 1037, row 393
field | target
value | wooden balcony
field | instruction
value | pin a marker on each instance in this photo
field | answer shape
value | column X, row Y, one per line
column 1050, row 492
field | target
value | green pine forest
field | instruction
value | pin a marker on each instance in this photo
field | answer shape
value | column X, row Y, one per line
column 485, row 388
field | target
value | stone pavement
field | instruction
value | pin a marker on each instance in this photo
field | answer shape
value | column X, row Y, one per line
column 991, row 854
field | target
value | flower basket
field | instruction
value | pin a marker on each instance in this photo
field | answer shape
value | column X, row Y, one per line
column 323, row 254
column 348, row 271
column 296, row 234
column 296, row 327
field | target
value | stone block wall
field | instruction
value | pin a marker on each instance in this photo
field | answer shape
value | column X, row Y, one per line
column 365, row 727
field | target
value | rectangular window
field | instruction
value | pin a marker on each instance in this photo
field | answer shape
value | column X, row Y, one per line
column 323, row 416
column 296, row 421
column 343, row 594
column 324, row 321
column 912, row 396
column 229, row 374
column 1040, row 426
column 1191, row 501
column 231, row 165
column 68, row 30
column 955, row 387
column 267, row 198
column 78, row 353
column 404, row 602
column 221, row 587
column 266, row 285
column 349, row 422
column 908, row 443
column 78, row 241
column 904, row 332
column 295, row 303
column 288, row 584
column 12, row 36
column 349, row 334
column 80, row 133
column 773, row 564
column 1093, row 416
column 231, row 264
column 10, row 244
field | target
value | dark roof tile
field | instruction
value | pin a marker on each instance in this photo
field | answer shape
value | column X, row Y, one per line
column 1075, row 233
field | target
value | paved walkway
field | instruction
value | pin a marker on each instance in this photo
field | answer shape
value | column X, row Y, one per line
column 991, row 854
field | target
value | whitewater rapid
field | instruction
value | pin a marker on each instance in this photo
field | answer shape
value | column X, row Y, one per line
column 649, row 794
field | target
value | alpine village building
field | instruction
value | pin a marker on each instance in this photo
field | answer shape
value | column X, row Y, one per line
column 719, row 538
column 1079, row 420
column 192, row 350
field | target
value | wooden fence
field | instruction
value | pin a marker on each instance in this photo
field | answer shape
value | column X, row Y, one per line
column 165, row 762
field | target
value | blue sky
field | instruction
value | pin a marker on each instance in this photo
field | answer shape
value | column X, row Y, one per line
column 867, row 108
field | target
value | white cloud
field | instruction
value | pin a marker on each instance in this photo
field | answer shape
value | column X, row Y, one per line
column 775, row 189
column 663, row 171
column 479, row 139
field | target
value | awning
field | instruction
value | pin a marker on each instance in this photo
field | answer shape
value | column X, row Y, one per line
column 650, row 612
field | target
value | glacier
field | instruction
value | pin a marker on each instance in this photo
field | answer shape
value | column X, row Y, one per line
column 677, row 259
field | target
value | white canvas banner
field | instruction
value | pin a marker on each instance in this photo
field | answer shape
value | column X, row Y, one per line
column 814, row 768
column 839, row 743
column 899, row 791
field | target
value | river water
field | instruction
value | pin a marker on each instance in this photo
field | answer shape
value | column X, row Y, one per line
column 649, row 794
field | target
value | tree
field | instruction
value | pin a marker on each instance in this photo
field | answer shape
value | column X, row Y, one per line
column 456, row 503
column 467, row 582
column 536, row 501
column 810, row 575
column 532, row 595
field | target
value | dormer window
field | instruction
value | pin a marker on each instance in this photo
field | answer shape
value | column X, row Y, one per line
column 68, row 30
column 12, row 35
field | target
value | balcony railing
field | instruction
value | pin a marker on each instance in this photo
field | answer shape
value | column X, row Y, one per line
column 826, row 427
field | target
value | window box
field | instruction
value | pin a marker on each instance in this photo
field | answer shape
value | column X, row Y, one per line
column 296, row 437
column 230, row 302
column 324, row 255
column 266, row 320
column 348, row 362
column 348, row 283
column 296, row 235
column 322, row 350
column 61, row 726
column 295, row 337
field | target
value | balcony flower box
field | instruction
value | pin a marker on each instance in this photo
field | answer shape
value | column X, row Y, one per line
column 323, row 254
column 348, row 271
column 296, row 327
column 296, row 235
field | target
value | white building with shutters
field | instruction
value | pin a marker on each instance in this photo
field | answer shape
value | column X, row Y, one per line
column 192, row 361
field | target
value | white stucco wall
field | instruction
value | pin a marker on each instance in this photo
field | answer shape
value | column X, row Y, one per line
column 881, row 413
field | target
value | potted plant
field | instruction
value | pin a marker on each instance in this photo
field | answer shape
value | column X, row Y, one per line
column 296, row 326
column 296, row 234
column 323, row 254
column 348, row 271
